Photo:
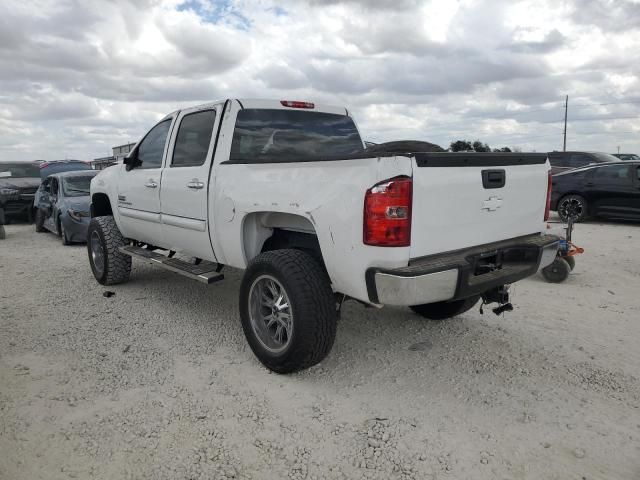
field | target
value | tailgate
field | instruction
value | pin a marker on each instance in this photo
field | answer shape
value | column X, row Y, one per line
column 461, row 200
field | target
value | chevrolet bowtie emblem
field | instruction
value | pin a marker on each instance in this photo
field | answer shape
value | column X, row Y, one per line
column 492, row 204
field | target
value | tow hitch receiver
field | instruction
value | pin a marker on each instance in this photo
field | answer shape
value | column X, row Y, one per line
column 499, row 295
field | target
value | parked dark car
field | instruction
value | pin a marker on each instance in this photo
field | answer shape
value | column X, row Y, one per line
column 18, row 184
column 63, row 205
column 561, row 161
column 626, row 156
column 610, row 190
column 57, row 166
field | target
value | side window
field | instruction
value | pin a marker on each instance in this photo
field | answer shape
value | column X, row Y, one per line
column 46, row 186
column 638, row 173
column 613, row 173
column 152, row 147
column 558, row 160
column 194, row 137
column 579, row 160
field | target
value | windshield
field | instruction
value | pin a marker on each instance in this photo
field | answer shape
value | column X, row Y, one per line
column 605, row 157
column 76, row 186
column 269, row 136
column 19, row 170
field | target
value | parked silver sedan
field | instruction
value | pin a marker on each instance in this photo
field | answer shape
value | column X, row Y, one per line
column 63, row 205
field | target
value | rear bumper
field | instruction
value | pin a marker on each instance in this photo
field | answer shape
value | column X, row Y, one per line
column 462, row 273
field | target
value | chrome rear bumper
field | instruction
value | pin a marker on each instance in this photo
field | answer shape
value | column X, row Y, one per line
column 462, row 273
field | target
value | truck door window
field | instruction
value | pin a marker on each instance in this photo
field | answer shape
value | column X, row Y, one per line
column 194, row 137
column 151, row 148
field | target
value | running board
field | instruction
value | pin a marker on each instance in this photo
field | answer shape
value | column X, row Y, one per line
column 205, row 272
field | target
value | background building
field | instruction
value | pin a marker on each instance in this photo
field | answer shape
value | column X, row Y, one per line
column 119, row 153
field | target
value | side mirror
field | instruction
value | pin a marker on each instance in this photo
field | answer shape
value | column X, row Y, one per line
column 131, row 161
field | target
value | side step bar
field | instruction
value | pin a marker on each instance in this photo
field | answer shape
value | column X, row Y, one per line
column 205, row 272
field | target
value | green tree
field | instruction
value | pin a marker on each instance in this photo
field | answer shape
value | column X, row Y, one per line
column 460, row 146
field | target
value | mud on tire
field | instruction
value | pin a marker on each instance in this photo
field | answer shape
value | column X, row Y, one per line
column 112, row 266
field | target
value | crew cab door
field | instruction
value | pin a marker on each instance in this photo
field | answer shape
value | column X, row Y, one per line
column 139, row 186
column 185, row 182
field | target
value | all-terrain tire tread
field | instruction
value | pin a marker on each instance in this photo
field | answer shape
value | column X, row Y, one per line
column 118, row 265
column 315, row 300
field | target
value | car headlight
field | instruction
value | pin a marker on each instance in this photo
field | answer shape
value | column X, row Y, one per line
column 77, row 215
column 9, row 191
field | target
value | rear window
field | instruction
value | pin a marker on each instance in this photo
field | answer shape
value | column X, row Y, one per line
column 19, row 170
column 278, row 136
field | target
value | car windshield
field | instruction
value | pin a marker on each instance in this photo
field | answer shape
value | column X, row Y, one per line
column 605, row 157
column 269, row 136
column 76, row 186
column 19, row 170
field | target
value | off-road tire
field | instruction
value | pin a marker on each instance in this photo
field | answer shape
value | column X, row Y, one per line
column 116, row 265
column 556, row 272
column 580, row 201
column 39, row 221
column 444, row 310
column 312, row 304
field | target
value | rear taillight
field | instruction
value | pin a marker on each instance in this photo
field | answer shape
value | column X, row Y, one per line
column 387, row 213
column 296, row 104
column 547, row 207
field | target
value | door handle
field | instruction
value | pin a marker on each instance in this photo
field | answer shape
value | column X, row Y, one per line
column 590, row 184
column 151, row 184
column 195, row 185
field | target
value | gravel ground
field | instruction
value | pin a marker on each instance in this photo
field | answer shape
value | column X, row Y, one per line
column 158, row 382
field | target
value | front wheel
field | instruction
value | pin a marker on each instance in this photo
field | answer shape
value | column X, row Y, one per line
column 444, row 310
column 39, row 221
column 63, row 234
column 108, row 264
column 287, row 309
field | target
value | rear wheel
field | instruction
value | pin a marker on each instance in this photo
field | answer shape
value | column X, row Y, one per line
column 572, row 207
column 287, row 309
column 39, row 221
column 444, row 310
column 109, row 265
column 556, row 272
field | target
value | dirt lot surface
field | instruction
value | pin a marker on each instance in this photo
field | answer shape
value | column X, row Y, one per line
column 158, row 382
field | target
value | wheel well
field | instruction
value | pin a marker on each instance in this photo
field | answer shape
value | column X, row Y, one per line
column 100, row 205
column 267, row 231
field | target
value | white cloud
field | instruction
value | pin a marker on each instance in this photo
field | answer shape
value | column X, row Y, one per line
column 77, row 77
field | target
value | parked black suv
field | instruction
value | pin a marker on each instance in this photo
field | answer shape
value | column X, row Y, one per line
column 561, row 161
column 18, row 184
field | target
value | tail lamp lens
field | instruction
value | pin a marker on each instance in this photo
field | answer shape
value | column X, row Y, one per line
column 387, row 213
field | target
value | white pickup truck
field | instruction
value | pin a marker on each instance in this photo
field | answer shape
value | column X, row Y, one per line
column 287, row 191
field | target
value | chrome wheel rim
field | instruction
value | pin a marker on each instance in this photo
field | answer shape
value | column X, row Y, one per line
column 571, row 208
column 270, row 313
column 97, row 253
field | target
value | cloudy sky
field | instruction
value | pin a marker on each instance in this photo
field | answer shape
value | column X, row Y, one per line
column 80, row 76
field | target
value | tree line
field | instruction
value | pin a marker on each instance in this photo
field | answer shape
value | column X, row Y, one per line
column 477, row 146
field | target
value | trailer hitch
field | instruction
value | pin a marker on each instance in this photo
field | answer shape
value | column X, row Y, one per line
column 499, row 295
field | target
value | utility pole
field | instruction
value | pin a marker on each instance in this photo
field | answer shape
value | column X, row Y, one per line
column 566, row 106
column 618, row 149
